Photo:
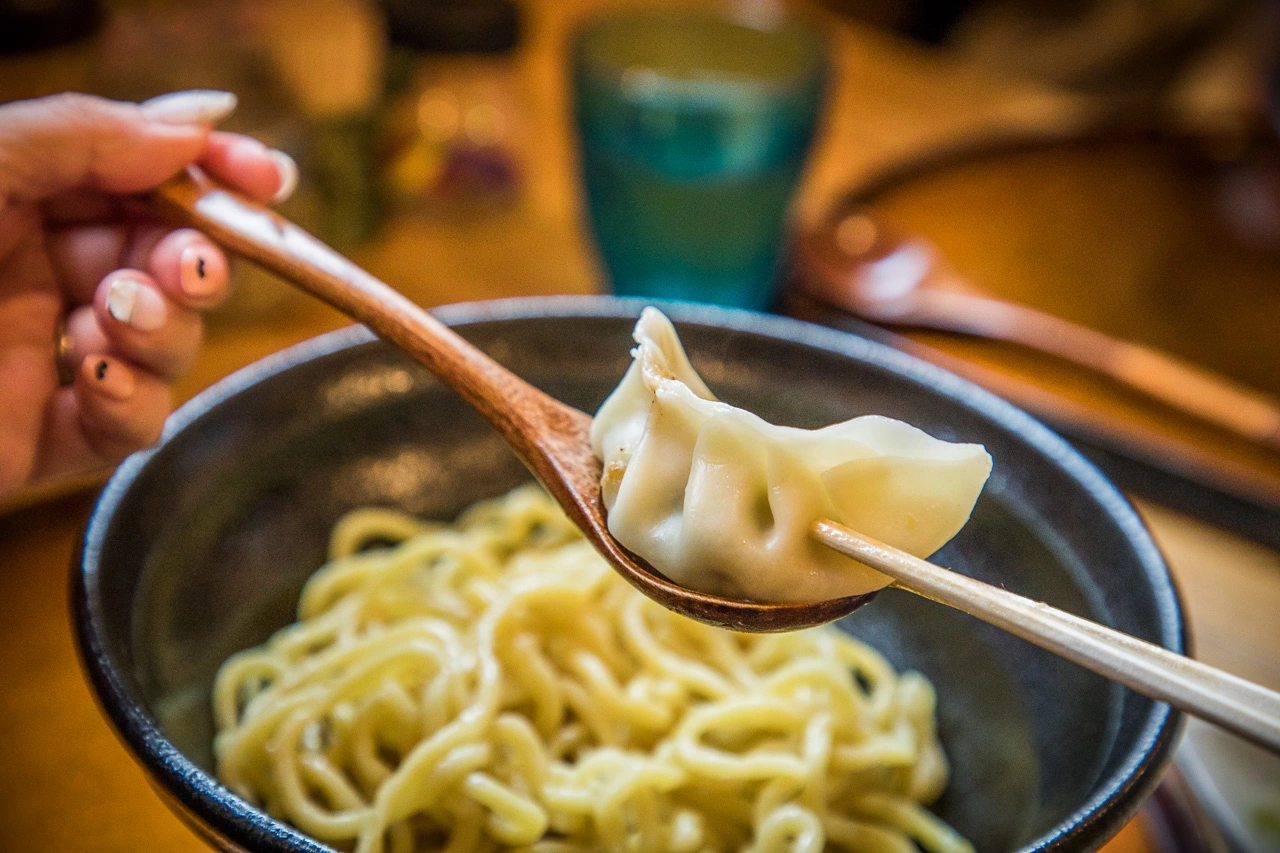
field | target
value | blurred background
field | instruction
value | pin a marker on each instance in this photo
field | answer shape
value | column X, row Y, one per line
column 1075, row 204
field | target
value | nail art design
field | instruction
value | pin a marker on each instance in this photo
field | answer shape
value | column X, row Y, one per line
column 195, row 273
column 121, row 296
column 135, row 304
column 111, row 379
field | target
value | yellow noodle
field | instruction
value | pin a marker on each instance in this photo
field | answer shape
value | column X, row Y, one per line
column 491, row 685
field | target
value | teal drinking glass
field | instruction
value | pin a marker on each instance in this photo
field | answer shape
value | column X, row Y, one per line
column 694, row 129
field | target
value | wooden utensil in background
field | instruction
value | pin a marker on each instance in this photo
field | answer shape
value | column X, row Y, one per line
column 875, row 273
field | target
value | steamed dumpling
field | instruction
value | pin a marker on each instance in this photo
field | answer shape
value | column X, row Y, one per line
column 720, row 501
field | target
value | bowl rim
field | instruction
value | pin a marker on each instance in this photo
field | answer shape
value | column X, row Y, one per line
column 207, row 805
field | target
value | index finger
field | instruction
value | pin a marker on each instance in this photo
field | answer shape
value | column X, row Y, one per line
column 73, row 141
column 242, row 162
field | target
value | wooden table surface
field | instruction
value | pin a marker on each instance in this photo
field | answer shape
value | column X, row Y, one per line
column 66, row 784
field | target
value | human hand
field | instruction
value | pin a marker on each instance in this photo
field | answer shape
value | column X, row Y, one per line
column 81, row 259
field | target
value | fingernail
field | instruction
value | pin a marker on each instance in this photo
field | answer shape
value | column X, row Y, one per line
column 288, row 170
column 110, row 377
column 197, row 270
column 194, row 106
column 135, row 304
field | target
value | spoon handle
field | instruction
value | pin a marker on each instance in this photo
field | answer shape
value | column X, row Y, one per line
column 1240, row 706
column 518, row 410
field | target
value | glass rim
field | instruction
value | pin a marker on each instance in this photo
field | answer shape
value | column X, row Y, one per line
column 812, row 70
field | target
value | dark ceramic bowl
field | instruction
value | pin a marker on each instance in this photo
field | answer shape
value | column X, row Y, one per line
column 198, row 548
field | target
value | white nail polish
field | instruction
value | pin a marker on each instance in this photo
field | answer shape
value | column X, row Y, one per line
column 135, row 304
column 288, row 175
column 121, row 296
column 195, row 106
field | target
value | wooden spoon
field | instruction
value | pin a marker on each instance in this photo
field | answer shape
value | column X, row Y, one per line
column 553, row 440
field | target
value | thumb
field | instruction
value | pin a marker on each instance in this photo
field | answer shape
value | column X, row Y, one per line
column 73, row 141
